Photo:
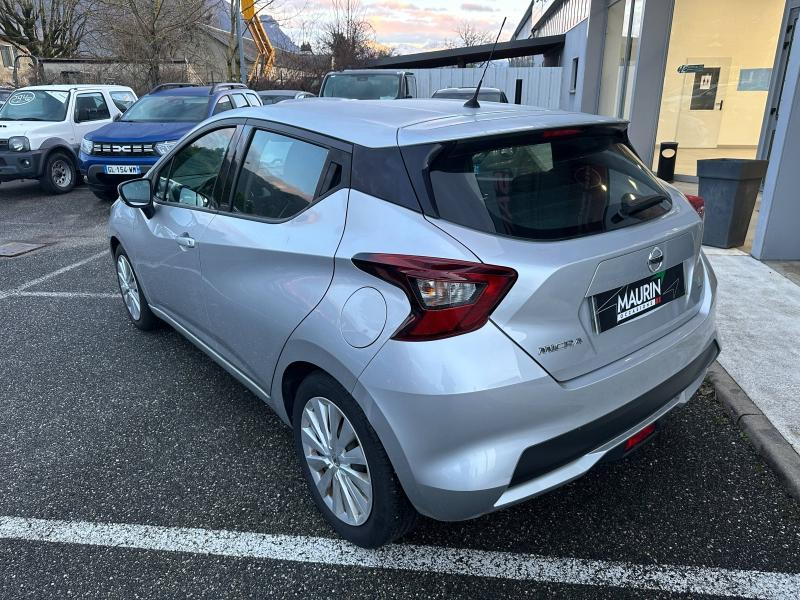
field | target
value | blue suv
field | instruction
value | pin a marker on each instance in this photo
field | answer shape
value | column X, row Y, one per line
column 129, row 146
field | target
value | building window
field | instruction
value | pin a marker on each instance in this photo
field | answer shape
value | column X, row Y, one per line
column 573, row 77
column 6, row 56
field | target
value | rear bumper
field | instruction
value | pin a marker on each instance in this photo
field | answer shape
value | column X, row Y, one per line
column 20, row 165
column 472, row 424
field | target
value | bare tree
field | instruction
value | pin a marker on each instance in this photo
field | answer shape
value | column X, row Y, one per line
column 348, row 37
column 45, row 28
column 468, row 35
column 151, row 32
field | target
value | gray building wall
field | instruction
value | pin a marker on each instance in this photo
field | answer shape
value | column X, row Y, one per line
column 649, row 80
column 779, row 218
column 574, row 48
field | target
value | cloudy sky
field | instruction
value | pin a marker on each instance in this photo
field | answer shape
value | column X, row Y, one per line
column 415, row 25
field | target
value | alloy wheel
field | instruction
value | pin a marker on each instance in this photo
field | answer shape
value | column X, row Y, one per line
column 129, row 288
column 335, row 456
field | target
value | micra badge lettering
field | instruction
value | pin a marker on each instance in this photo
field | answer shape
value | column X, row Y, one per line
column 560, row 346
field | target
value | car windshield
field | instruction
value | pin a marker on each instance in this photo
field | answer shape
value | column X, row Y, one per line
column 548, row 185
column 361, row 87
column 166, row 108
column 467, row 94
column 35, row 105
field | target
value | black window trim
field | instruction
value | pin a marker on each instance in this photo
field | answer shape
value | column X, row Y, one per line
column 237, row 125
column 339, row 153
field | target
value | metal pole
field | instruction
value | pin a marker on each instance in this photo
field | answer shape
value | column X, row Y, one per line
column 240, row 43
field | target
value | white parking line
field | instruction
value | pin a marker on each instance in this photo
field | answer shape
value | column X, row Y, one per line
column 454, row 561
column 65, row 294
column 57, row 272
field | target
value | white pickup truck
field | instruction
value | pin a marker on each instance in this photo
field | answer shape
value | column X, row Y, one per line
column 41, row 128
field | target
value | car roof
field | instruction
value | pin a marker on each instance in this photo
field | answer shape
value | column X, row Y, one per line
column 197, row 90
column 371, row 72
column 281, row 92
column 76, row 86
column 490, row 90
column 385, row 123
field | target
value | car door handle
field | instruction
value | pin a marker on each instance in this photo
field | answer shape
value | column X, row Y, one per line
column 185, row 240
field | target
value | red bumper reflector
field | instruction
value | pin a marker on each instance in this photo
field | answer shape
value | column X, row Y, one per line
column 640, row 436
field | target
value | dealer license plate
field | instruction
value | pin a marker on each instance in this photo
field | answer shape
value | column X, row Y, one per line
column 617, row 306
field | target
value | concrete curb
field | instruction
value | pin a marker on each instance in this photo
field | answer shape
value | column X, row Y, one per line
column 768, row 442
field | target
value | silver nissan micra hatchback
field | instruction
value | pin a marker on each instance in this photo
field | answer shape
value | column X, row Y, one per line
column 455, row 309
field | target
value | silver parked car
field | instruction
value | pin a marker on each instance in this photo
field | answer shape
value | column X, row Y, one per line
column 275, row 96
column 451, row 321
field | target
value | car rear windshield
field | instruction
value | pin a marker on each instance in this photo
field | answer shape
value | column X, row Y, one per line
column 361, row 87
column 548, row 185
column 165, row 108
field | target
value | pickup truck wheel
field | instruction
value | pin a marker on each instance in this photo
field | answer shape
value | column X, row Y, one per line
column 59, row 176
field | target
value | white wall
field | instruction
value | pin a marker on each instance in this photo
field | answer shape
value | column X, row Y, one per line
column 541, row 86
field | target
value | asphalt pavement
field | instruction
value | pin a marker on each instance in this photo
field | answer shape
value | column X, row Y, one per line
column 133, row 466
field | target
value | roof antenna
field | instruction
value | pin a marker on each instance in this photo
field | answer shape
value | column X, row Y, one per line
column 473, row 102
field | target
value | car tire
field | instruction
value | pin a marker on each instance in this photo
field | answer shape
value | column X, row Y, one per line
column 136, row 304
column 390, row 514
column 106, row 195
column 59, row 175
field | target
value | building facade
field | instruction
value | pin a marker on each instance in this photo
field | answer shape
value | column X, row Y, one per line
column 7, row 54
column 717, row 76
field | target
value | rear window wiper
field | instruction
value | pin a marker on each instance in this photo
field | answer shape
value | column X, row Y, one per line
column 632, row 205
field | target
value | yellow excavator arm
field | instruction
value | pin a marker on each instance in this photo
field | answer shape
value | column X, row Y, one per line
column 266, row 52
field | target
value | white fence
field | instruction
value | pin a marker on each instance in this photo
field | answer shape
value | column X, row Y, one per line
column 541, row 86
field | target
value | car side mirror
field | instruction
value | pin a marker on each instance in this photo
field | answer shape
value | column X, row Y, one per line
column 137, row 193
column 117, row 116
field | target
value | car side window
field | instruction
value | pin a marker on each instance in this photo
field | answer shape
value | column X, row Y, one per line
column 239, row 101
column 123, row 100
column 254, row 101
column 411, row 86
column 190, row 178
column 279, row 176
column 223, row 104
column 91, row 107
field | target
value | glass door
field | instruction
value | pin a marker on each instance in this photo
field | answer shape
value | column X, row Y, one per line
column 717, row 78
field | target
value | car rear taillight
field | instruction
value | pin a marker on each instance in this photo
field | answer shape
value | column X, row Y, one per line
column 698, row 204
column 447, row 297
